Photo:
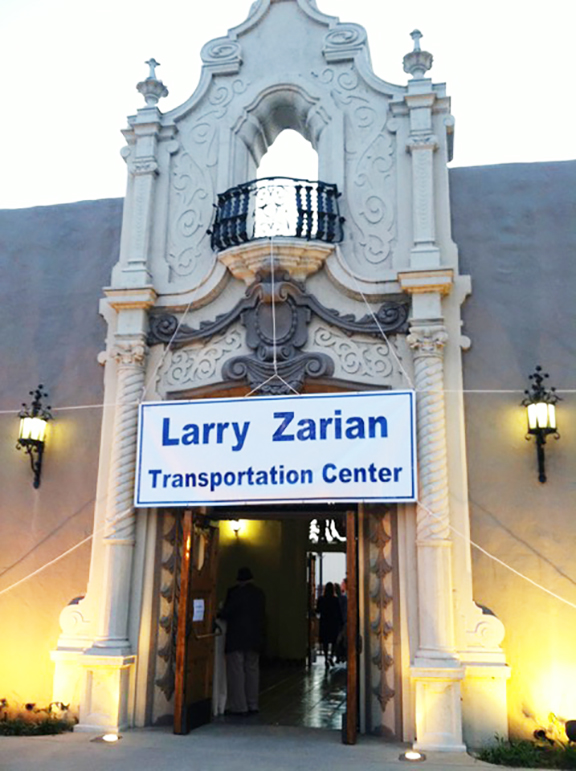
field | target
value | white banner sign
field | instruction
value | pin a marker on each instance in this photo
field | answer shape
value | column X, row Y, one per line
column 322, row 447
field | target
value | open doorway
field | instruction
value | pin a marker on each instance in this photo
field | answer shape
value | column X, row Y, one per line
column 297, row 686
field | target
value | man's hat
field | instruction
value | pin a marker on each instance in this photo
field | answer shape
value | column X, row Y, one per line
column 244, row 574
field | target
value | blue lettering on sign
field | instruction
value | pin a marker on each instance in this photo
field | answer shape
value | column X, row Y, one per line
column 275, row 475
column 166, row 440
column 206, row 433
column 361, row 474
column 336, row 427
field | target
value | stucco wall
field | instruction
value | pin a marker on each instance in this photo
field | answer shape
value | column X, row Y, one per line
column 54, row 262
column 515, row 229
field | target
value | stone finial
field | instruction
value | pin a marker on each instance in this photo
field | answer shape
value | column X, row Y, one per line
column 416, row 36
column 417, row 62
column 152, row 89
column 152, row 63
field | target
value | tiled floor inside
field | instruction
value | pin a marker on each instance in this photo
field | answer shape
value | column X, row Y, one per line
column 298, row 696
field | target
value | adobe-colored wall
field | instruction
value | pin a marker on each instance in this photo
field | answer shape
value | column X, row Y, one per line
column 54, row 262
column 515, row 226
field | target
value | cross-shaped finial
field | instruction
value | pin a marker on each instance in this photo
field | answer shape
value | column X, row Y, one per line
column 152, row 89
column 152, row 63
column 416, row 36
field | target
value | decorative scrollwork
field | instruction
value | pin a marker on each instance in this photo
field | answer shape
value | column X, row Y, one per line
column 221, row 49
column 391, row 317
column 192, row 182
column 198, row 363
column 292, row 372
column 356, row 357
column 371, row 194
column 342, row 42
column 345, row 35
column 276, row 312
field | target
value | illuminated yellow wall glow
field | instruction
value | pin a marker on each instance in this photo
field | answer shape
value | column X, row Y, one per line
column 530, row 526
column 37, row 526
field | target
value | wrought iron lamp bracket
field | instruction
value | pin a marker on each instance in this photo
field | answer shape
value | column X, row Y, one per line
column 538, row 394
column 34, row 447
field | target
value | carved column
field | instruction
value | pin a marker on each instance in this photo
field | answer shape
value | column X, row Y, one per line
column 109, row 663
column 436, row 669
column 130, row 355
column 432, row 529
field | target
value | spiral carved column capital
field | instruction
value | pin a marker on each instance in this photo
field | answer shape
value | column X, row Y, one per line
column 427, row 340
column 129, row 352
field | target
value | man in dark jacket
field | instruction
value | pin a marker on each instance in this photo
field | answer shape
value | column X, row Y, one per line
column 244, row 612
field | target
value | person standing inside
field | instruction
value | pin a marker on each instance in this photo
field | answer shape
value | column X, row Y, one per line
column 341, row 640
column 330, row 622
column 244, row 611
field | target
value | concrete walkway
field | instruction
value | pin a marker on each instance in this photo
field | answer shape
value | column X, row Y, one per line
column 217, row 747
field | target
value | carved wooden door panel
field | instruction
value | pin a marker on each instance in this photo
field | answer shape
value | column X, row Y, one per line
column 196, row 615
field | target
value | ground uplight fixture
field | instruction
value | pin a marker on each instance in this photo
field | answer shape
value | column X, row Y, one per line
column 540, row 406
column 32, row 436
column 412, row 756
column 110, row 738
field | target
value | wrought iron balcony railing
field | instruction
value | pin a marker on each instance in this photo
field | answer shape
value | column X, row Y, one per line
column 277, row 206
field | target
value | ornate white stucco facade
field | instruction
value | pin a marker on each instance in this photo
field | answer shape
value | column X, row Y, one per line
column 386, row 148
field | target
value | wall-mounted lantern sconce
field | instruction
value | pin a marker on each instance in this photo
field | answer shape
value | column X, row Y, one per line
column 32, row 436
column 540, row 406
column 236, row 526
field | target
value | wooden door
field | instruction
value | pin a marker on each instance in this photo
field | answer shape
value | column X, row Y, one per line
column 350, row 727
column 196, row 631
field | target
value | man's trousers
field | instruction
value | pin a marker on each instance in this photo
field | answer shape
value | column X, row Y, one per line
column 243, row 676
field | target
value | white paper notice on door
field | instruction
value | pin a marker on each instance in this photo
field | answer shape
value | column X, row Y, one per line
column 198, row 610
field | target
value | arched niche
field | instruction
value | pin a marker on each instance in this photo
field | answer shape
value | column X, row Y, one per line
column 280, row 107
column 290, row 156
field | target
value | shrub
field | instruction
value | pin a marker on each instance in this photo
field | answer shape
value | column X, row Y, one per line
column 516, row 753
column 31, row 721
column 525, row 754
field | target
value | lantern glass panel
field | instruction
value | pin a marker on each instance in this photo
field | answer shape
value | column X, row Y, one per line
column 532, row 417
column 32, row 429
column 542, row 414
column 552, row 417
